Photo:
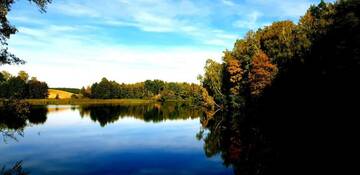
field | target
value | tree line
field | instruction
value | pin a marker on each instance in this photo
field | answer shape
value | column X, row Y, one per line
column 21, row 86
column 149, row 89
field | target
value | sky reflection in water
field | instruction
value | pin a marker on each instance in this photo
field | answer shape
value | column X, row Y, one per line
column 68, row 143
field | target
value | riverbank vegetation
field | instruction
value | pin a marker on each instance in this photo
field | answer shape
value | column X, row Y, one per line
column 150, row 89
column 21, row 86
column 85, row 101
column 104, row 92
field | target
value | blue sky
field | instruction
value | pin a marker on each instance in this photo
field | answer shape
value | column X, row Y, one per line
column 79, row 41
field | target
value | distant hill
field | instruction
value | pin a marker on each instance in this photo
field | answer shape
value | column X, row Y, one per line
column 60, row 93
column 71, row 90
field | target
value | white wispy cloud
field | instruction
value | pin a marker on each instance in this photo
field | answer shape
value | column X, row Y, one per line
column 183, row 17
column 52, row 35
column 76, row 9
column 26, row 19
column 228, row 2
column 249, row 22
column 73, row 44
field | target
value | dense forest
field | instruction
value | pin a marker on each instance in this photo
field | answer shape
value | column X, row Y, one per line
column 289, row 92
column 21, row 86
column 320, row 51
column 149, row 89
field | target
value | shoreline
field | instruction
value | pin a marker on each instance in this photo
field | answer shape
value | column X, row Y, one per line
column 86, row 101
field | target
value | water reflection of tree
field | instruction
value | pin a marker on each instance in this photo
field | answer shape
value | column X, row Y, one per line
column 15, row 116
column 16, row 169
column 105, row 114
column 239, row 142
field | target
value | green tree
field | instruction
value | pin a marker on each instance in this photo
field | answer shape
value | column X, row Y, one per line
column 2, row 78
column 23, row 75
column 6, row 75
column 37, row 89
column 244, row 49
column 278, row 41
column 154, row 87
column 212, row 79
column 86, row 92
column 16, row 88
column 115, row 90
column 102, row 90
column 20, row 87
column 4, row 89
column 150, row 89
column 317, row 20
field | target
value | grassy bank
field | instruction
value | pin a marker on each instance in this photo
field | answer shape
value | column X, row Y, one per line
column 85, row 101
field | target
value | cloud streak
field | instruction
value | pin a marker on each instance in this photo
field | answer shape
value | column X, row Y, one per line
column 181, row 17
column 78, row 42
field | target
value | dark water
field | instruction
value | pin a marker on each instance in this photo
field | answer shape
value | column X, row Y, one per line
column 143, row 139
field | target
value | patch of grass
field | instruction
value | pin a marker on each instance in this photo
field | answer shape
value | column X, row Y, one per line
column 86, row 101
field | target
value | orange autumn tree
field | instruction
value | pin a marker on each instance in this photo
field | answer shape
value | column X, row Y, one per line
column 235, row 72
column 261, row 74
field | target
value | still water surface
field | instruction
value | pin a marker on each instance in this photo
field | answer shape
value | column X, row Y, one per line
column 142, row 139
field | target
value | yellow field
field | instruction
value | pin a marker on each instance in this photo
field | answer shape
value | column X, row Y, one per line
column 62, row 94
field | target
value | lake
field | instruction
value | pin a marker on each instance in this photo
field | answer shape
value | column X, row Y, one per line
column 112, row 139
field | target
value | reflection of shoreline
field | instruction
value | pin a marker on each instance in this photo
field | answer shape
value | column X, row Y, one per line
column 240, row 141
column 59, row 108
column 16, row 169
column 155, row 112
column 104, row 114
column 16, row 116
column 88, row 101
